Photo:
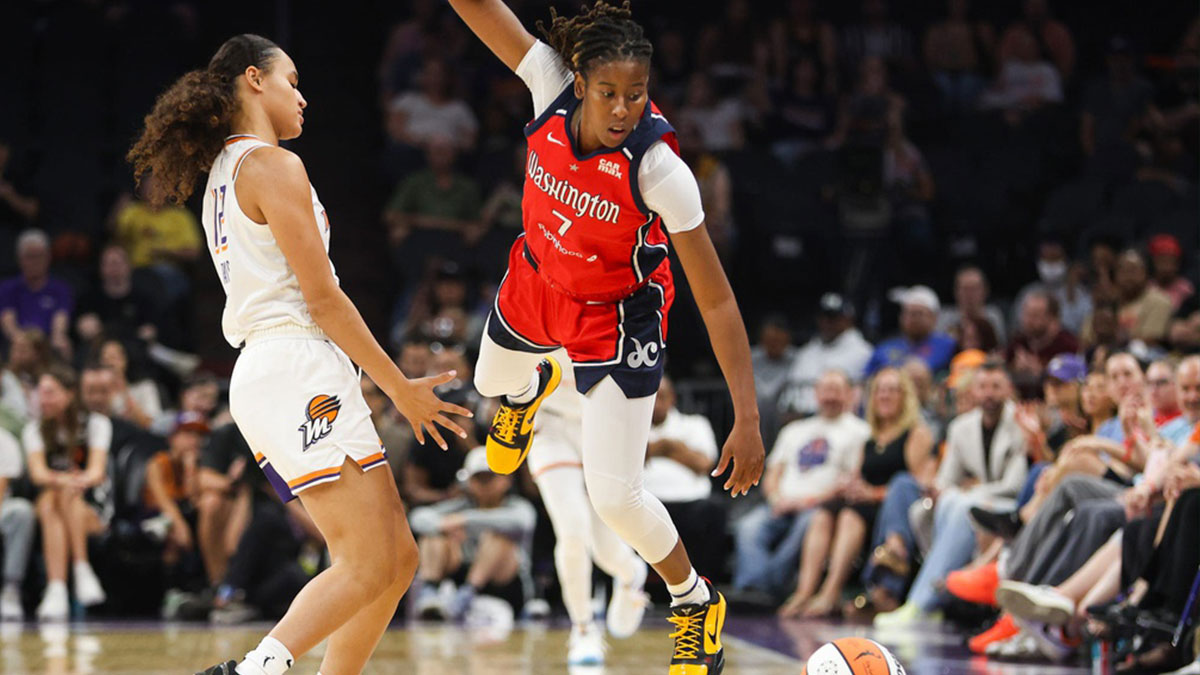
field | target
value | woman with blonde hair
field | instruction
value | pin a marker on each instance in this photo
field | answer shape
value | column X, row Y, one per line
column 900, row 445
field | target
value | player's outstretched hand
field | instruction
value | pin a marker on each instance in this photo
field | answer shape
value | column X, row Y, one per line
column 744, row 448
column 425, row 411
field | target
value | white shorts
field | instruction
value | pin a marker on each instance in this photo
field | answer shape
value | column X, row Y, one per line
column 298, row 402
column 556, row 443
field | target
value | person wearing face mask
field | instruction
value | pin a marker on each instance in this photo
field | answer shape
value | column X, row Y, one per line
column 1058, row 277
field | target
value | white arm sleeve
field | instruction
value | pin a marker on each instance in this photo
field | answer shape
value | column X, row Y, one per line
column 545, row 74
column 669, row 189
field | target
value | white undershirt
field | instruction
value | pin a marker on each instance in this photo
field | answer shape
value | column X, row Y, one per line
column 667, row 184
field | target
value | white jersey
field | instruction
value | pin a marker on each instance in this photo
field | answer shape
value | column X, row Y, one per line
column 261, row 290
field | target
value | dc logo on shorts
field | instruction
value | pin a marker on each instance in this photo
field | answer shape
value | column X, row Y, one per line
column 321, row 411
column 643, row 355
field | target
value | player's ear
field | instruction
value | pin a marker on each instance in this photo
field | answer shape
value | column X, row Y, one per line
column 580, row 85
column 254, row 77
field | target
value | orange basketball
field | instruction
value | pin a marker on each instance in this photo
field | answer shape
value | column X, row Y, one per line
column 324, row 406
column 852, row 656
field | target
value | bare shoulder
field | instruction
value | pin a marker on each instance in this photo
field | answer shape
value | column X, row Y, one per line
column 272, row 164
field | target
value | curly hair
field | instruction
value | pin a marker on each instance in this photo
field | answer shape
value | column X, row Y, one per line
column 599, row 34
column 186, row 129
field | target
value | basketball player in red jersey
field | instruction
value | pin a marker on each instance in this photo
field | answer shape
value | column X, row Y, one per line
column 603, row 180
column 294, row 391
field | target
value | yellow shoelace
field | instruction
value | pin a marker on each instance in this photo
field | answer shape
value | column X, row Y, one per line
column 508, row 420
column 689, row 633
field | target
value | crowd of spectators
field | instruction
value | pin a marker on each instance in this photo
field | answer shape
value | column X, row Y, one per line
column 967, row 239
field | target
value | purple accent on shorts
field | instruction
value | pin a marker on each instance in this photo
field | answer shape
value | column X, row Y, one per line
column 277, row 482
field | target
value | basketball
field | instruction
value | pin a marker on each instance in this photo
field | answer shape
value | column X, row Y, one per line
column 852, row 656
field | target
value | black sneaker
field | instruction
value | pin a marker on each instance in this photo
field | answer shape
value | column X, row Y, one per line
column 1003, row 524
column 697, row 636
column 227, row 668
column 511, row 433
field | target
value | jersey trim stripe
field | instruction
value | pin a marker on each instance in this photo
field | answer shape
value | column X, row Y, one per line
column 241, row 158
column 230, row 140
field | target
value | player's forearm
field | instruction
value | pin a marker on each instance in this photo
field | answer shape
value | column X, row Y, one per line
column 732, row 348
column 337, row 316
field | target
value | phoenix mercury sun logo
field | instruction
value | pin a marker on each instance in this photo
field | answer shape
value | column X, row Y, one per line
column 321, row 411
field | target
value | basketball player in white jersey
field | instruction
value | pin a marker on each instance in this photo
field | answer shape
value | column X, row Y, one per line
column 581, row 537
column 294, row 392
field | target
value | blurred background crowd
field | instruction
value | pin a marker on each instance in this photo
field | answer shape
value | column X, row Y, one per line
column 964, row 235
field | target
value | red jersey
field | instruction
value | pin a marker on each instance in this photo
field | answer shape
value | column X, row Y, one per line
column 587, row 230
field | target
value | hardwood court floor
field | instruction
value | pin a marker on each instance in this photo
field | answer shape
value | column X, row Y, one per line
column 754, row 647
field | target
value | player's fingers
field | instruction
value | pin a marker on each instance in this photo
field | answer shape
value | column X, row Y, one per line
column 723, row 464
column 441, row 378
column 448, row 424
column 436, row 435
column 456, row 410
column 418, row 432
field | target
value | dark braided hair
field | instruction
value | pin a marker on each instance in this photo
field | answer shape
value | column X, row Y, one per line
column 599, row 34
column 186, row 130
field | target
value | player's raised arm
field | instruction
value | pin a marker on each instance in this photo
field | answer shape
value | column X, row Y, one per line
column 498, row 27
column 273, row 181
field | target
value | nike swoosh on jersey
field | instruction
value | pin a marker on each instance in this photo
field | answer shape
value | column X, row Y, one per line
column 550, row 137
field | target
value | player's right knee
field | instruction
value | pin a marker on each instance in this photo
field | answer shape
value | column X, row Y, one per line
column 616, row 505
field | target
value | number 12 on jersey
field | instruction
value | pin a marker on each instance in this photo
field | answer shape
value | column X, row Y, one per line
column 220, row 242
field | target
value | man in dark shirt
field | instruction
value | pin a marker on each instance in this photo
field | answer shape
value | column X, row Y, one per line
column 116, row 307
column 1039, row 338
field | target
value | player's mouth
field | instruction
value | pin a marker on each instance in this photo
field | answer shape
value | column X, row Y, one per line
column 616, row 133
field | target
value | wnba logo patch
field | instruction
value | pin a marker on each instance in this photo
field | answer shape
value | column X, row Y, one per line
column 322, row 410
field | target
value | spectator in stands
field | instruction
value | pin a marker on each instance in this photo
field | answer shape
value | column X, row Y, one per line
column 1039, row 338
column 430, row 473
column 407, row 40
column 837, row 345
column 800, row 36
column 772, row 359
column 985, row 460
column 439, row 310
column 18, row 206
column 802, row 114
column 864, row 113
column 28, row 357
column 479, row 541
column 35, row 299
column 1166, row 257
column 672, row 66
column 810, row 459
column 163, row 239
column 200, row 394
column 1026, row 81
column 224, row 476
column 918, row 316
column 116, row 307
column 716, row 189
column 170, row 493
column 877, row 37
column 501, row 217
column 1116, row 107
column 734, row 46
column 1184, row 334
column 910, row 189
column 434, row 213
column 898, row 443
column 17, row 527
column 1048, row 37
column 958, row 51
column 417, row 117
column 137, row 399
column 415, row 358
column 1145, row 312
column 97, row 391
column 67, row 453
column 1061, row 278
column 719, row 120
column 681, row 453
column 922, row 379
column 971, row 290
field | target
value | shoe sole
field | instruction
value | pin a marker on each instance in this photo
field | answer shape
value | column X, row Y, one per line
column 497, row 462
column 1022, row 606
column 1045, row 647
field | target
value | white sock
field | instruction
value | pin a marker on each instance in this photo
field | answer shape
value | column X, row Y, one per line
column 693, row 591
column 270, row 657
column 82, row 566
column 528, row 393
column 59, row 586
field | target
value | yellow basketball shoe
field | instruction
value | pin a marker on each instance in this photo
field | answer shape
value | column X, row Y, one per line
column 697, row 636
column 512, row 428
